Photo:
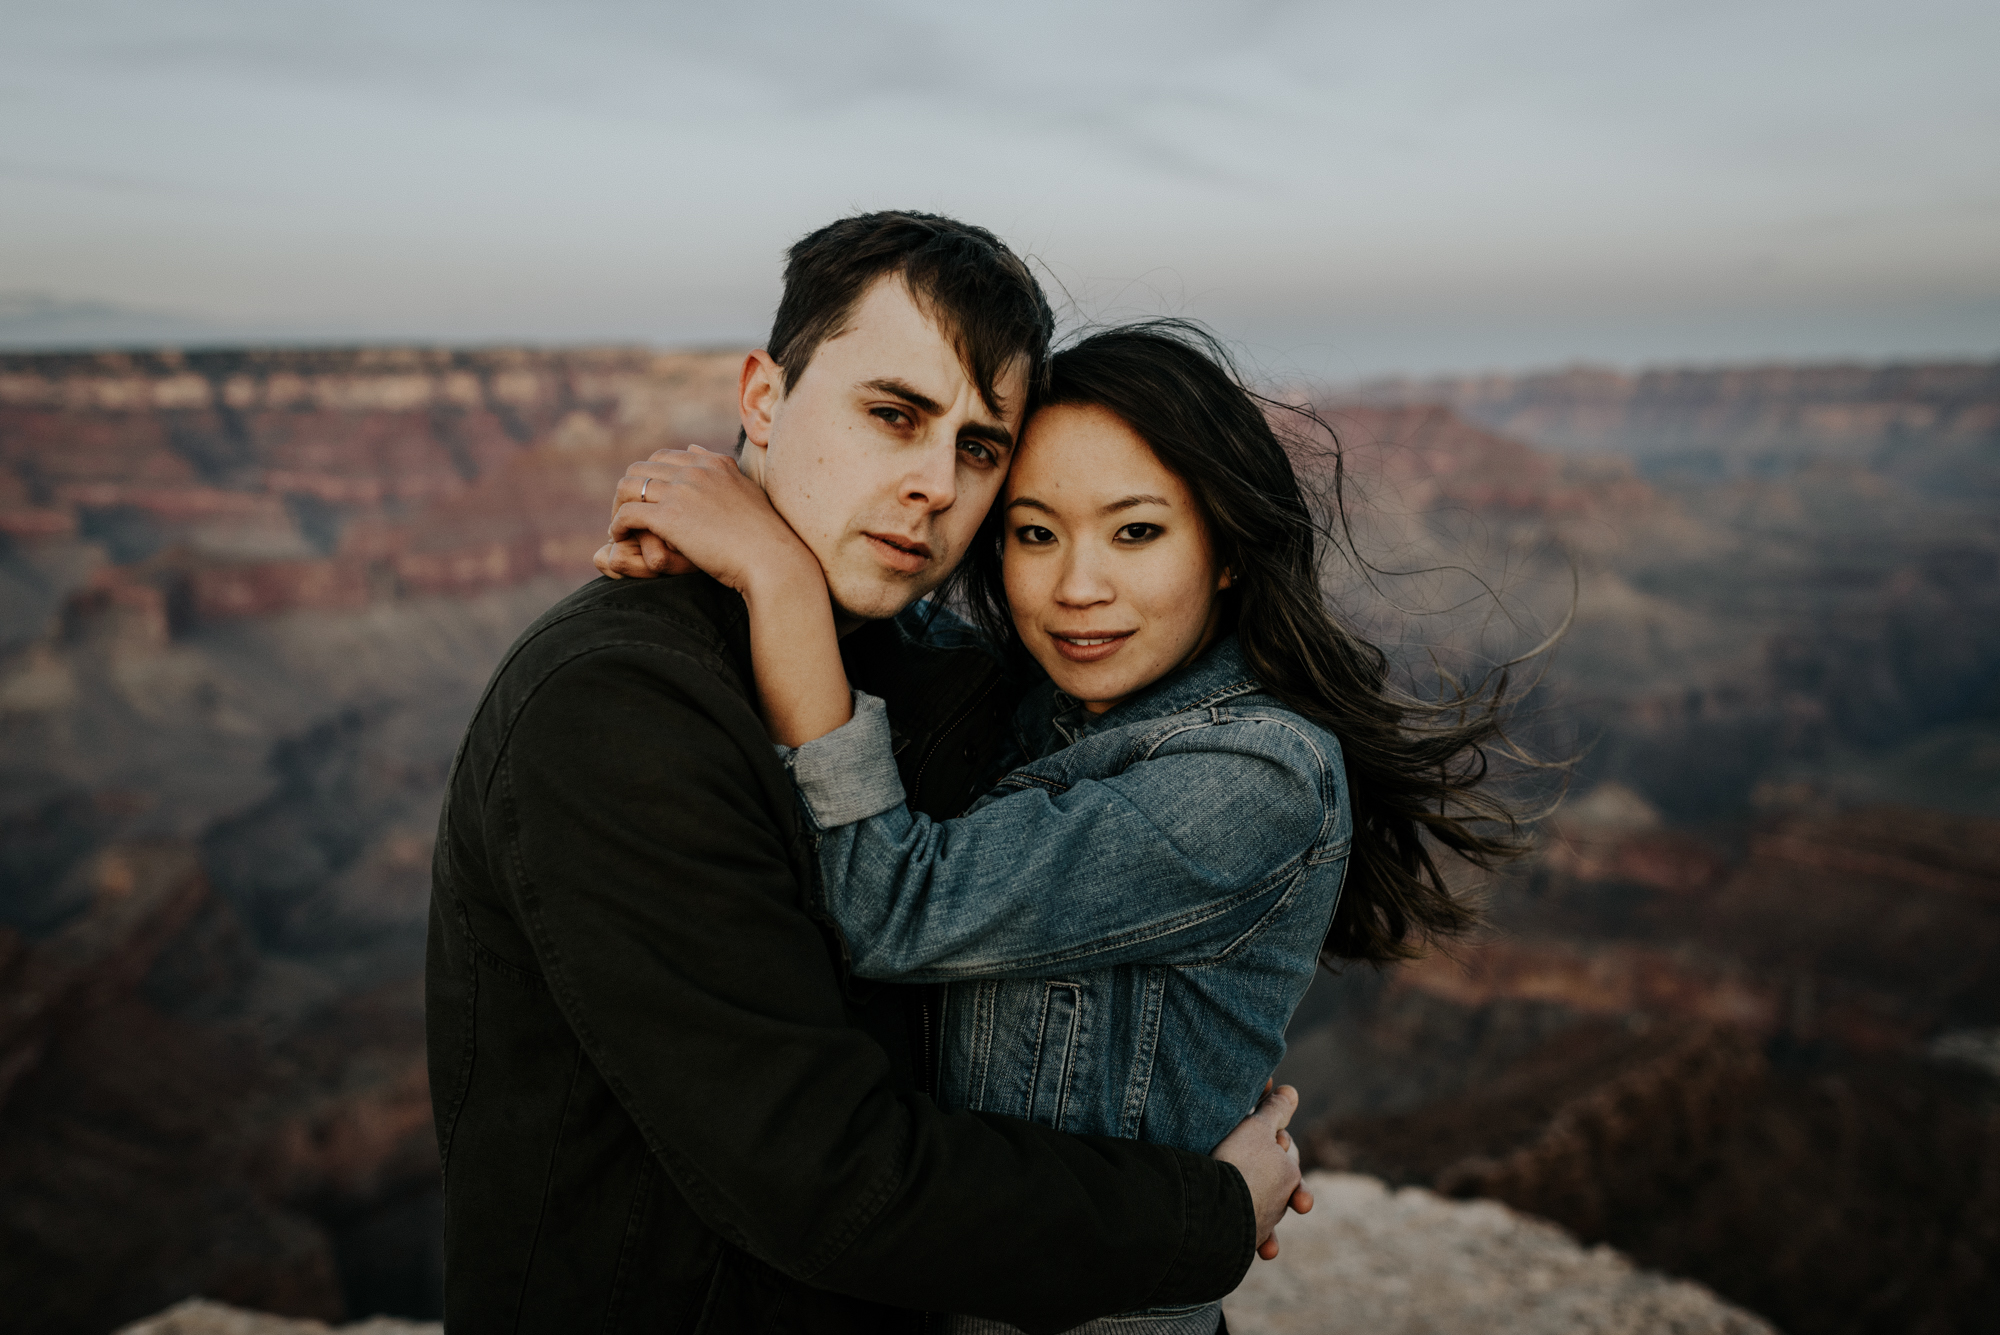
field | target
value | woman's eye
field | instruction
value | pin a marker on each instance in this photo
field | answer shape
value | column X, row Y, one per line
column 1138, row 532
column 1034, row 535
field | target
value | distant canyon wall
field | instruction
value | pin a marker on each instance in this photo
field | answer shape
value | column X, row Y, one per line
column 1735, row 417
column 248, row 599
column 231, row 484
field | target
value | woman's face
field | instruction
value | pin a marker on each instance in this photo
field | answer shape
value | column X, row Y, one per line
column 1110, row 574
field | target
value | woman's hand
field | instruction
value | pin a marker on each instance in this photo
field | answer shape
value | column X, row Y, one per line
column 642, row 555
column 708, row 516
column 1263, row 1151
column 691, row 509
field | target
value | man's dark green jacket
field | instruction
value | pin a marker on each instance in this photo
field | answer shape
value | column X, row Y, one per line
column 661, row 1104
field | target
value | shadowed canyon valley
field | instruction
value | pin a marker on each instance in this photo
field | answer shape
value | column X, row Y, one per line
column 1738, row 1016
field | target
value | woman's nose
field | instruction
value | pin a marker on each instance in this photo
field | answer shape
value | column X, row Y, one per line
column 1083, row 583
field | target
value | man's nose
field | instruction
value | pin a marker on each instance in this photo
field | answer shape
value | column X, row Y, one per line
column 932, row 481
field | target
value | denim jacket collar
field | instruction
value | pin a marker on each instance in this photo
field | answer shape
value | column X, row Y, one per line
column 1049, row 719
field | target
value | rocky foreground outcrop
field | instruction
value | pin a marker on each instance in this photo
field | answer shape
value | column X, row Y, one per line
column 1408, row 1262
column 1366, row 1260
column 198, row 1316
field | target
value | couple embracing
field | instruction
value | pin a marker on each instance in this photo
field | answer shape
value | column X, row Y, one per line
column 878, row 906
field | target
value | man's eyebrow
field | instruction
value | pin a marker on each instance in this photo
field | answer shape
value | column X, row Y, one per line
column 990, row 432
column 902, row 389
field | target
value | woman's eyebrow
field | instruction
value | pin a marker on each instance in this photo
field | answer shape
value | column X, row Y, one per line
column 1031, row 503
column 1128, row 502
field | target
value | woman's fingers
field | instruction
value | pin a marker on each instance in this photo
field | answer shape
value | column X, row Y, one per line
column 666, row 464
column 624, row 560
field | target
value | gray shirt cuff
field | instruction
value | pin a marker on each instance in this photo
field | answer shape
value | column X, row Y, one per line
column 849, row 774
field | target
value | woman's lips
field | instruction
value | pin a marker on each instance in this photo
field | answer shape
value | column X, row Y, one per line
column 1094, row 647
column 904, row 554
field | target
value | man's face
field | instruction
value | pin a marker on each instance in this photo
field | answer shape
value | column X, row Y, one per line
column 883, row 457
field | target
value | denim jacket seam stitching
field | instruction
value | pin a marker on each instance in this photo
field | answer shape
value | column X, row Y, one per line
column 1078, row 1037
column 1021, row 779
column 1333, row 852
column 984, row 1009
column 1325, row 782
column 1263, row 922
column 1136, row 936
column 1140, row 1087
column 1034, row 1067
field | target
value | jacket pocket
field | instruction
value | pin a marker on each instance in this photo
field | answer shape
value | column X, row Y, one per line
column 1056, row 1046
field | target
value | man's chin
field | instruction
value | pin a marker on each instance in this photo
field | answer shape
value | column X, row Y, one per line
column 878, row 599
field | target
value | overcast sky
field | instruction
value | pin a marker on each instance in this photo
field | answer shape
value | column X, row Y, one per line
column 1347, row 189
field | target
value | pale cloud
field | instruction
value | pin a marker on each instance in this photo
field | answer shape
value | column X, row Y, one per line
column 1354, row 187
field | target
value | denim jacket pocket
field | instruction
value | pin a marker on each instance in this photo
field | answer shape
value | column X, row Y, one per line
column 1049, row 1077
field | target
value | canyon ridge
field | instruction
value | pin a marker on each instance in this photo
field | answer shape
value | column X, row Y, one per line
column 1737, row 1017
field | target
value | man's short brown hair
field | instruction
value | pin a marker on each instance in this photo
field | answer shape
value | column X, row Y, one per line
column 977, row 291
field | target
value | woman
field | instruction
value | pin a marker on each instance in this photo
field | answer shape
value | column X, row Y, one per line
column 1125, row 923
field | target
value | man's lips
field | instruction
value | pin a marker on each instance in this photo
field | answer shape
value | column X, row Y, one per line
column 900, row 553
column 1089, row 646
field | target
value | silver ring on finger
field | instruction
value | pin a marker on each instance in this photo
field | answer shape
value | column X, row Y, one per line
column 642, row 489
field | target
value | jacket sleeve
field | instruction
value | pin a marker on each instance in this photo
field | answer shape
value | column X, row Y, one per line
column 1170, row 860
column 645, row 822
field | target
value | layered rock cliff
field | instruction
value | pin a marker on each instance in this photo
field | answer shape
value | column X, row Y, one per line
column 248, row 599
column 246, row 603
column 1691, row 1044
column 1936, row 423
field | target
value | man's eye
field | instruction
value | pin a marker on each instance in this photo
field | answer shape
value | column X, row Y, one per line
column 1138, row 532
column 980, row 451
column 893, row 416
column 1034, row 535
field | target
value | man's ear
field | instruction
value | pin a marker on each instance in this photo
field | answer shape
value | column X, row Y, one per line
column 758, row 391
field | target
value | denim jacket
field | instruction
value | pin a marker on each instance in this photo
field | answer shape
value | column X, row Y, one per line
column 1125, row 923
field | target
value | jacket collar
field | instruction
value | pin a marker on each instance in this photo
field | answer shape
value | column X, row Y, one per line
column 1049, row 719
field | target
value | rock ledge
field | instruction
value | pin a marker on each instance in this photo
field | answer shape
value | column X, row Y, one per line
column 1411, row 1262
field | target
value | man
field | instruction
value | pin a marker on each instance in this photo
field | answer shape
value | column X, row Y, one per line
column 662, row 1103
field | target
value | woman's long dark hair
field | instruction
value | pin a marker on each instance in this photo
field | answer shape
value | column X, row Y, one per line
column 1417, row 769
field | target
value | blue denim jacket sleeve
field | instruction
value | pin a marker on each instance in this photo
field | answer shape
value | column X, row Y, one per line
column 1170, row 859
column 850, row 773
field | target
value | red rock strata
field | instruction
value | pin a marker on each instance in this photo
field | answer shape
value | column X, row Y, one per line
column 245, row 484
column 1743, row 1059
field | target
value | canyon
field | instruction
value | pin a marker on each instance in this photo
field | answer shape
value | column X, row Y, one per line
column 1737, row 1016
